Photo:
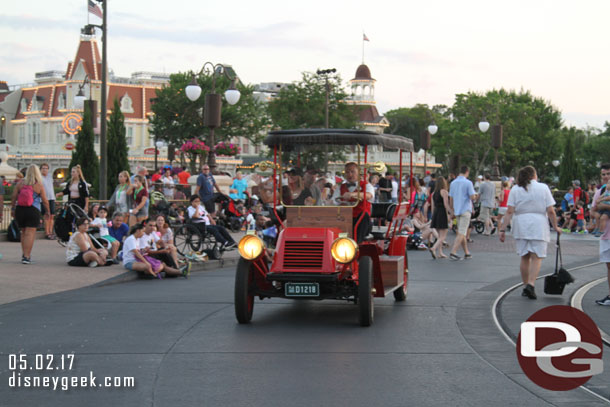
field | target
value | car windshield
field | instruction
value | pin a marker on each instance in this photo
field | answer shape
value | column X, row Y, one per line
column 320, row 181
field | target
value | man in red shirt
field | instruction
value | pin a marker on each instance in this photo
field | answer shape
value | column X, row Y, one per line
column 349, row 193
column 157, row 176
column 184, row 176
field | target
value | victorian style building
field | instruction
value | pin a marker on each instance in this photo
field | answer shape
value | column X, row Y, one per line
column 41, row 121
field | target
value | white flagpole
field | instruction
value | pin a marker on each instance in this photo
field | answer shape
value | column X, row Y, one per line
column 87, row 5
column 363, row 47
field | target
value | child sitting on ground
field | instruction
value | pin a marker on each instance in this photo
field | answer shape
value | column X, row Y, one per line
column 102, row 223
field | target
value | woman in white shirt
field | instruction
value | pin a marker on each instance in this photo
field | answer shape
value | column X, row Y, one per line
column 531, row 203
column 168, row 184
column 206, row 224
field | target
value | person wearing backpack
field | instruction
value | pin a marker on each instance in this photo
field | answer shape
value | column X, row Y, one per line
column 28, row 196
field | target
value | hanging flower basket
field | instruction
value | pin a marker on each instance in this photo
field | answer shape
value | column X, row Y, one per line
column 228, row 149
column 195, row 148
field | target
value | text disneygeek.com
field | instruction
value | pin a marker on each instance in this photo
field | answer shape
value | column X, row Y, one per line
column 28, row 371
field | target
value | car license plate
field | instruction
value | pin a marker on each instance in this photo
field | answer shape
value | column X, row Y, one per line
column 302, row 289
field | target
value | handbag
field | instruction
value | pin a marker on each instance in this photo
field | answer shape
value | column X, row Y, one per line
column 556, row 282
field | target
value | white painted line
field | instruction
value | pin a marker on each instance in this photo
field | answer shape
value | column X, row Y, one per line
column 577, row 297
column 508, row 338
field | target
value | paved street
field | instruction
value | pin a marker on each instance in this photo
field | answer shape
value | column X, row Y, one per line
column 180, row 341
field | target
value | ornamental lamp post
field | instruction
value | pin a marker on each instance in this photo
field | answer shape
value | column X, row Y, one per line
column 213, row 102
column 89, row 29
column 496, row 143
column 325, row 73
column 81, row 102
column 426, row 143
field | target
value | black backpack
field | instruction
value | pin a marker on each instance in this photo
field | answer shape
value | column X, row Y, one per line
column 13, row 233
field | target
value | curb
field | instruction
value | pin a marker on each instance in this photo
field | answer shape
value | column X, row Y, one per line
column 128, row 275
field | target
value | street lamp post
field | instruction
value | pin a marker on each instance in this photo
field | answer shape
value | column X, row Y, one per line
column 2, row 123
column 89, row 30
column 81, row 102
column 496, row 143
column 325, row 73
column 213, row 102
column 158, row 145
column 426, row 142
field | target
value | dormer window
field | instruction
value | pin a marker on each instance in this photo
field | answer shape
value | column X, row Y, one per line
column 61, row 101
column 126, row 104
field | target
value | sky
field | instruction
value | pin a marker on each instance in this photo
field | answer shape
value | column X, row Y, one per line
column 419, row 52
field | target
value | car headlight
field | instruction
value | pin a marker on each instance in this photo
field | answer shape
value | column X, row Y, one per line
column 344, row 250
column 250, row 247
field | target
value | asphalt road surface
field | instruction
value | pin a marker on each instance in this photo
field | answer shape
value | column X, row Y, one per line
column 180, row 342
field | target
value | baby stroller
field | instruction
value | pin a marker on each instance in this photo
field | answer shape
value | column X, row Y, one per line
column 230, row 216
column 64, row 226
column 159, row 204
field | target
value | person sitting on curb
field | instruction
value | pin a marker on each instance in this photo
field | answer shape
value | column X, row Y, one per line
column 152, row 245
column 101, row 222
column 134, row 260
column 80, row 251
column 119, row 230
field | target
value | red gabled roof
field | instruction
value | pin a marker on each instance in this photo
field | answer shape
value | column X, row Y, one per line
column 369, row 114
column 27, row 93
column 3, row 96
column 89, row 54
column 140, row 99
column 59, row 89
column 45, row 93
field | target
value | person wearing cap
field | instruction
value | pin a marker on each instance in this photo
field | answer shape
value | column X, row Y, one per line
column 356, row 190
column 299, row 194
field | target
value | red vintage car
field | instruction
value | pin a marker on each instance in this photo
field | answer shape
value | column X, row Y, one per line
column 317, row 255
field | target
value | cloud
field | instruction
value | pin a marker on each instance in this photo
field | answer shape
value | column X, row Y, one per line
column 28, row 22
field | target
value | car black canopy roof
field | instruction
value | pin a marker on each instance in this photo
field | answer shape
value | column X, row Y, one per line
column 289, row 138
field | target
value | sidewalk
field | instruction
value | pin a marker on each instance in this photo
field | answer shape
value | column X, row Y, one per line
column 50, row 273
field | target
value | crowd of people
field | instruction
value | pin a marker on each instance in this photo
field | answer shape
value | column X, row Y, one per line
column 437, row 204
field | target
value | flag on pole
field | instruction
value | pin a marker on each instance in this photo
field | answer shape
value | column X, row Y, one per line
column 95, row 10
column 364, row 37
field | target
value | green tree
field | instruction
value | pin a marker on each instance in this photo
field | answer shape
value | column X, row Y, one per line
column 84, row 154
column 302, row 105
column 570, row 167
column 177, row 119
column 595, row 151
column 117, row 146
column 530, row 132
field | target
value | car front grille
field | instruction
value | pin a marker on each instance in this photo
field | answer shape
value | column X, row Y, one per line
column 303, row 255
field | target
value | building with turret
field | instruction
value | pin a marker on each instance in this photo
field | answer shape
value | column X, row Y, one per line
column 41, row 120
column 362, row 94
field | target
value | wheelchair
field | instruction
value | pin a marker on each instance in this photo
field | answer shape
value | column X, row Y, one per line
column 189, row 239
